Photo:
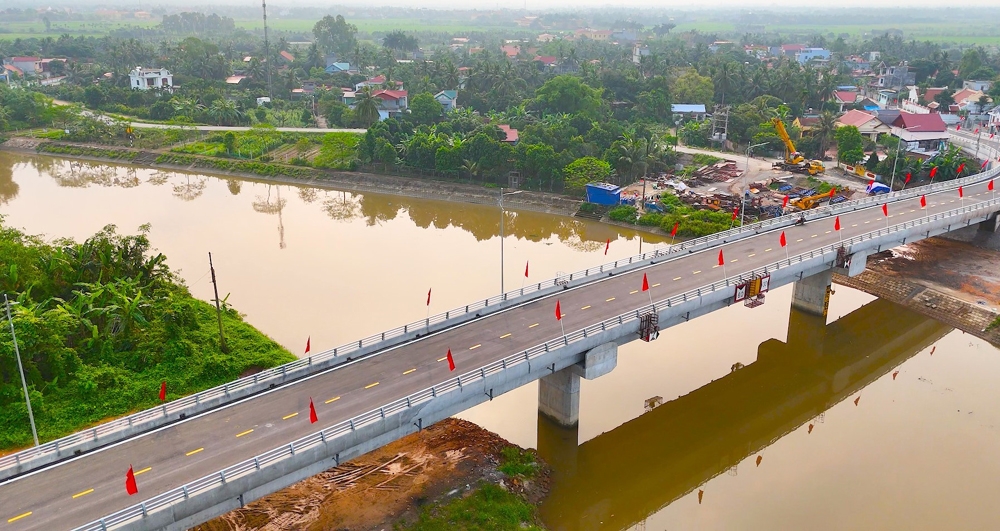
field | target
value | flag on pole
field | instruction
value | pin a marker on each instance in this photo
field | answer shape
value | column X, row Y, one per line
column 784, row 242
column 990, row 186
column 836, row 223
column 312, row 412
column 736, row 212
column 871, row 182
column 308, row 341
column 607, row 246
column 673, row 232
column 983, row 166
column 976, row 132
column 784, row 202
column 558, row 312
column 908, row 177
column 451, row 361
column 958, row 127
column 960, row 168
column 645, row 283
column 526, row 269
column 885, row 209
column 722, row 261
column 834, row 190
column 933, row 172
column 130, row 486
column 163, row 390
column 923, row 202
column 429, row 296
column 960, row 192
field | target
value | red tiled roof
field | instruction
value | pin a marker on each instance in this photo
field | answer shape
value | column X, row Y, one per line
column 855, row 117
column 24, row 59
column 390, row 94
column 286, row 55
column 511, row 133
column 377, row 79
column 808, row 121
column 793, row 47
column 546, row 59
column 511, row 50
column 846, row 96
column 924, row 123
column 931, row 93
column 13, row 68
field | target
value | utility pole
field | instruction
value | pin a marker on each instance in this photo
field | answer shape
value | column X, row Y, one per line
column 267, row 56
column 501, row 240
column 218, row 308
column 24, row 383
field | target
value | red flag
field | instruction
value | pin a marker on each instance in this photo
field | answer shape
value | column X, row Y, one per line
column 990, row 186
column 722, row 261
column 960, row 168
column 130, row 486
column 908, row 176
column 308, row 342
column 836, row 223
column 525, row 269
column 834, row 190
column 451, row 361
column 163, row 390
column 960, row 191
column 958, row 127
column 871, row 182
column 976, row 132
column 983, row 166
column 933, row 172
column 736, row 211
column 885, row 209
column 784, row 202
column 856, row 400
column 607, row 246
column 783, row 241
column 429, row 296
column 923, row 202
column 645, row 283
column 991, row 135
column 312, row 412
column 673, row 232
column 810, row 428
column 558, row 312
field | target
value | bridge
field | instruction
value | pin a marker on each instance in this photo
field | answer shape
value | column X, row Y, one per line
column 206, row 454
column 670, row 451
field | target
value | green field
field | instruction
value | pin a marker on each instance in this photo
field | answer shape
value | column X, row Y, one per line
column 945, row 32
column 96, row 28
column 380, row 26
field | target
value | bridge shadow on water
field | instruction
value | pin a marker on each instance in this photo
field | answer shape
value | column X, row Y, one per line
column 621, row 477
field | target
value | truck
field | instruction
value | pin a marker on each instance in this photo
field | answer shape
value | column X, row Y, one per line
column 794, row 161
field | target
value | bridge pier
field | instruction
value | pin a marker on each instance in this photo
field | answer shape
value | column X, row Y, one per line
column 559, row 392
column 991, row 224
column 812, row 294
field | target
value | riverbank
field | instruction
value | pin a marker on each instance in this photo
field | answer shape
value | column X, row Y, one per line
column 448, row 471
column 272, row 172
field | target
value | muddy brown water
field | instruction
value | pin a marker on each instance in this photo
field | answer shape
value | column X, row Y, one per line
column 919, row 450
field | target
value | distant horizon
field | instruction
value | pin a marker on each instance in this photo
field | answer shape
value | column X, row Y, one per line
column 536, row 5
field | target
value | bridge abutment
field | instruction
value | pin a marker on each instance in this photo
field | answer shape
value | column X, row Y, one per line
column 812, row 294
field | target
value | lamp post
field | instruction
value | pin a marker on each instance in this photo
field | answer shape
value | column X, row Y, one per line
column 24, row 383
column 743, row 193
column 501, row 234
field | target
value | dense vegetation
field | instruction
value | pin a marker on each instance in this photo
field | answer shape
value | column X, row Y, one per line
column 99, row 325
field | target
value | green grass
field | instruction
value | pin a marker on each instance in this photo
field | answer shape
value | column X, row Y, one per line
column 516, row 462
column 36, row 28
column 489, row 508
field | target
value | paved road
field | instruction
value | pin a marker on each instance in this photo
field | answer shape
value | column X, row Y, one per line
column 90, row 487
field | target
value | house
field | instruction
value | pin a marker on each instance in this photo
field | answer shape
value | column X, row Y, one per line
column 511, row 133
column 994, row 123
column 545, row 37
column 982, row 86
column 151, row 78
column 968, row 100
column 807, row 55
column 868, row 104
column 928, row 96
column 29, row 66
column 11, row 72
column 625, row 35
column 375, row 82
column 923, row 133
column 689, row 111
column 868, row 124
column 806, row 123
column 894, row 76
column 788, row 50
column 638, row 52
column 287, row 56
column 545, row 60
column 845, row 98
column 887, row 97
column 510, row 50
column 756, row 50
column 724, row 46
column 235, row 79
column 393, row 101
column 448, row 99
column 857, row 63
column 594, row 35
column 335, row 68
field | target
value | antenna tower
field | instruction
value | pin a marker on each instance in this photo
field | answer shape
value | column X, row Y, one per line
column 267, row 51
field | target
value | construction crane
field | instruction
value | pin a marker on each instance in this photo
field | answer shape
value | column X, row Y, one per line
column 794, row 161
column 812, row 201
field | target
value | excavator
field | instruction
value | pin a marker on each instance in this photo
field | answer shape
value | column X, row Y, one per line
column 794, row 161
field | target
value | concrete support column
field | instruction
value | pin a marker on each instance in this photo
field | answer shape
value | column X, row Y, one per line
column 559, row 397
column 812, row 294
column 990, row 225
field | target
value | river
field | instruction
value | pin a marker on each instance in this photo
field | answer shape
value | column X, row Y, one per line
column 919, row 449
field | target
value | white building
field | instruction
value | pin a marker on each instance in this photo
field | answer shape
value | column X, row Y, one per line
column 150, row 78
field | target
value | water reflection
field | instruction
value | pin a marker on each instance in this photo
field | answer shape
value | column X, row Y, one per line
column 621, row 477
column 8, row 188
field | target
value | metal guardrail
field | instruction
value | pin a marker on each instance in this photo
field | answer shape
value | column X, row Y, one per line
column 189, row 405
column 249, row 466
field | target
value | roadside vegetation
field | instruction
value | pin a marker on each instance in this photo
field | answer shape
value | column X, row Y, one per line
column 100, row 324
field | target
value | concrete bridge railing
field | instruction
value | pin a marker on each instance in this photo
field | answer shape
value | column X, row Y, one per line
column 216, row 493
column 143, row 421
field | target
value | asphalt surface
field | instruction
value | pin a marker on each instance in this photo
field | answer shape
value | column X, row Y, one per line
column 87, row 488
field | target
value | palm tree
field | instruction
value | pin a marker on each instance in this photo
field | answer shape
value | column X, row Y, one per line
column 366, row 107
column 224, row 112
column 824, row 130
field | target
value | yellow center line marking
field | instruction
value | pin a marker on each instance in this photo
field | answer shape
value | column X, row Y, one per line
column 912, row 211
column 143, row 471
column 814, row 235
column 192, row 452
column 585, row 307
column 694, row 273
column 442, row 359
column 734, row 260
column 678, row 278
column 242, row 433
column 657, row 284
column 752, row 255
column 408, row 372
column 867, row 222
column 767, row 250
column 508, row 334
column 286, row 417
column 798, row 240
column 369, row 386
column 84, row 493
column 952, row 201
column 474, row 347
column 633, row 292
column 609, row 300
column 532, row 326
column 828, row 232
column 715, row 266
column 855, row 225
column 18, row 517
column 890, row 215
column 334, row 399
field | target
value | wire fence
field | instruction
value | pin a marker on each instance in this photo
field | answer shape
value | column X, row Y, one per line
column 249, row 466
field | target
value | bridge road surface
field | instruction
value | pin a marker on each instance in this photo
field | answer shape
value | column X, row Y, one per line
column 87, row 488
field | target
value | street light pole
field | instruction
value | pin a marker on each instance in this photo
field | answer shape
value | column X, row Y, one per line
column 24, row 383
column 743, row 193
column 501, row 241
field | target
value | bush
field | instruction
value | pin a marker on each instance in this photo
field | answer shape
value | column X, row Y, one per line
column 651, row 219
column 623, row 214
column 517, row 462
column 701, row 159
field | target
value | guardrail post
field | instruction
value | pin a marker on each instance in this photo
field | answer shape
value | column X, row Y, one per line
column 291, row 448
column 222, row 475
column 256, row 463
column 143, row 505
column 184, row 489
column 164, row 410
column 351, row 421
column 381, row 411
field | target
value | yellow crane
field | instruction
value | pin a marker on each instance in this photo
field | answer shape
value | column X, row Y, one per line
column 812, row 201
column 794, row 161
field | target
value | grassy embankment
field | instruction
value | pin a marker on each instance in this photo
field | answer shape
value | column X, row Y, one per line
column 99, row 325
